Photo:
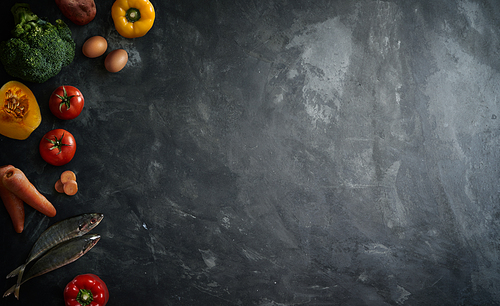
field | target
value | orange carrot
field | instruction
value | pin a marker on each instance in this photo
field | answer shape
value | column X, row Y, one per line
column 70, row 188
column 15, row 208
column 17, row 183
column 68, row 175
column 13, row 204
column 59, row 186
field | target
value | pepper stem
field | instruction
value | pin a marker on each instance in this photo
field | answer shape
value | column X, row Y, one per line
column 84, row 297
column 133, row 14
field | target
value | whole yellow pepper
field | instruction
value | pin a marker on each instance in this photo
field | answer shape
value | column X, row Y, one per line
column 133, row 18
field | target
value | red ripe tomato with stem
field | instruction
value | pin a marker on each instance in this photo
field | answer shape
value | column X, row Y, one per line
column 58, row 147
column 66, row 102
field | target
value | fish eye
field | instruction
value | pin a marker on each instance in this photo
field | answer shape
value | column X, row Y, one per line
column 93, row 221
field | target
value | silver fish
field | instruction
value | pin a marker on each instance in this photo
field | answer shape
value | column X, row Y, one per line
column 57, row 233
column 60, row 255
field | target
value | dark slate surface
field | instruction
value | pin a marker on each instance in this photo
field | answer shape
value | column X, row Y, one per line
column 280, row 153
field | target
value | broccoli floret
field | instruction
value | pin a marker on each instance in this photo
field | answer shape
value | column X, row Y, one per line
column 38, row 49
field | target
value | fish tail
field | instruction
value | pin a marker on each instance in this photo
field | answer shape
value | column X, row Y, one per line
column 8, row 292
column 15, row 272
column 16, row 291
column 19, row 278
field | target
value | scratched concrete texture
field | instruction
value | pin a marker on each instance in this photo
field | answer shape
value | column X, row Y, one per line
column 288, row 153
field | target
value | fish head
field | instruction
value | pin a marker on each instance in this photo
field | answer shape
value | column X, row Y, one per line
column 90, row 241
column 88, row 221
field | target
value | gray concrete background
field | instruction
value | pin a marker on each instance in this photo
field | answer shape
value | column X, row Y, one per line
column 285, row 153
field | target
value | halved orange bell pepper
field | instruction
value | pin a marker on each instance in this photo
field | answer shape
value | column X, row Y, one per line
column 19, row 111
column 133, row 18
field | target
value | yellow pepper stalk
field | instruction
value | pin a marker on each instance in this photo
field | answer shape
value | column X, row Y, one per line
column 19, row 111
column 133, row 18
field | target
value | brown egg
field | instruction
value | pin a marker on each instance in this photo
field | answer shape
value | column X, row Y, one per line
column 95, row 46
column 116, row 60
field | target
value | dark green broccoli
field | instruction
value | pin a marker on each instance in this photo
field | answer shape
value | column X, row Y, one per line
column 38, row 49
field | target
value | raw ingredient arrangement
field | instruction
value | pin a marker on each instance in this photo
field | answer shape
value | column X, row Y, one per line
column 254, row 153
column 37, row 51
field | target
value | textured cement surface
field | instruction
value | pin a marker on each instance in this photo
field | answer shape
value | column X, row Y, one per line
column 281, row 153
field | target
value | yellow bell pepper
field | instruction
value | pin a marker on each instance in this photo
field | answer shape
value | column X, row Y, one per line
column 133, row 18
column 19, row 111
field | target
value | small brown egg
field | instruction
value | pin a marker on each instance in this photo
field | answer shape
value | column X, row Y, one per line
column 95, row 46
column 116, row 60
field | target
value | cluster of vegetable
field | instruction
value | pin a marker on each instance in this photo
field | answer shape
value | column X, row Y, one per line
column 37, row 51
column 20, row 116
column 58, row 146
column 40, row 49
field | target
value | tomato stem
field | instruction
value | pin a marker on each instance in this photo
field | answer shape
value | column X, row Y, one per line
column 65, row 100
column 57, row 143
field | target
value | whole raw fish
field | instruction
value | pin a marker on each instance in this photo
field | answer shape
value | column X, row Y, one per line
column 57, row 233
column 62, row 254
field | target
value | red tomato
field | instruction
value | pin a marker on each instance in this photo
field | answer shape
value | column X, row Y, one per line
column 66, row 102
column 58, row 147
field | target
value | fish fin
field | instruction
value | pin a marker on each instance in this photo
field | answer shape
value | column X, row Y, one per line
column 8, row 292
column 15, row 272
